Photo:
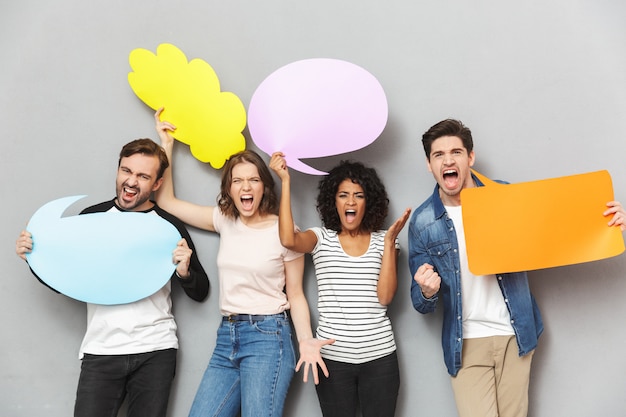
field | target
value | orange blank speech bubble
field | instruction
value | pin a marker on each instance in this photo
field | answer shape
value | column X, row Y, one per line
column 539, row 224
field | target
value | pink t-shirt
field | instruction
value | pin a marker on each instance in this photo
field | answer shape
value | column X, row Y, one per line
column 251, row 267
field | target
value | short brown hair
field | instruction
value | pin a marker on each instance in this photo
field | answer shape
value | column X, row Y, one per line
column 447, row 127
column 146, row 147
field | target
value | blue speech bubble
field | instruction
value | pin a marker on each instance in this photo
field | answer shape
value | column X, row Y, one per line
column 101, row 258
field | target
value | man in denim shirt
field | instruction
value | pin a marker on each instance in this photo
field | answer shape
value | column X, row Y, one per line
column 491, row 323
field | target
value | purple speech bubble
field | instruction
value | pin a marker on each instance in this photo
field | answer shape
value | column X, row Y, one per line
column 314, row 108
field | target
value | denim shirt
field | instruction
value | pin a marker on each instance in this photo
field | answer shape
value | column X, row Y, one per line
column 432, row 240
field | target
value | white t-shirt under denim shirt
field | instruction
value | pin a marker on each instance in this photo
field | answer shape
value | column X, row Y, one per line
column 484, row 309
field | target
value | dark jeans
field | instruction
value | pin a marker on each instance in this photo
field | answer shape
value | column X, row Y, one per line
column 105, row 380
column 373, row 385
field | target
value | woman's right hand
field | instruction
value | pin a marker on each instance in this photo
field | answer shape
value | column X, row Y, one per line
column 164, row 129
column 311, row 358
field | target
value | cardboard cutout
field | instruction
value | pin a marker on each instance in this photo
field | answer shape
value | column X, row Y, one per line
column 538, row 224
column 101, row 258
column 208, row 120
column 315, row 108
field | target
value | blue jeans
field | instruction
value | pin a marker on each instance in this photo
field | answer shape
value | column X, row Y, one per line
column 105, row 380
column 372, row 385
column 250, row 370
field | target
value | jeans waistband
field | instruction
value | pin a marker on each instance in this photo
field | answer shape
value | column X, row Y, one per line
column 253, row 317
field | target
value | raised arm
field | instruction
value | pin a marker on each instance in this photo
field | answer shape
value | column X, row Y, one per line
column 388, row 279
column 302, row 242
column 190, row 213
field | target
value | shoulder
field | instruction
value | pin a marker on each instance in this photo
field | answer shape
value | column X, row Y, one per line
column 325, row 238
column 379, row 235
column 220, row 217
column 425, row 212
column 166, row 215
column 100, row 207
column 426, row 219
column 378, row 239
column 323, row 233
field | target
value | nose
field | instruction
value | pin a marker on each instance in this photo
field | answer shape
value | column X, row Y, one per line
column 132, row 180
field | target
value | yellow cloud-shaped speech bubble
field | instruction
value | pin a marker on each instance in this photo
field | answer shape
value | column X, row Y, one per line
column 208, row 120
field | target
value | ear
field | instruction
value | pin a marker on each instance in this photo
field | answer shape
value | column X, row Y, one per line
column 430, row 169
column 472, row 158
column 157, row 184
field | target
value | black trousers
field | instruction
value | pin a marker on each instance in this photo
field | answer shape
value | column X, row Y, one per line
column 371, row 386
column 106, row 380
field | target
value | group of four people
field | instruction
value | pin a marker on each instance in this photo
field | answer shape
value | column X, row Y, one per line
column 491, row 323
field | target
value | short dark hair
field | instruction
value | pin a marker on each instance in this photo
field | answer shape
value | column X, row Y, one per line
column 146, row 147
column 376, row 200
column 447, row 127
column 269, row 203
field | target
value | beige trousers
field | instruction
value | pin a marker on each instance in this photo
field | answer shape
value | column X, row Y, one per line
column 493, row 380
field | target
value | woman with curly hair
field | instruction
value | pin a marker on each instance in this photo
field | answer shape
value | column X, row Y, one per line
column 260, row 281
column 356, row 268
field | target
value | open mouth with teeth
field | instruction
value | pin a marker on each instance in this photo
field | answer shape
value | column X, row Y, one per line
column 350, row 215
column 247, row 202
column 129, row 193
column 450, row 178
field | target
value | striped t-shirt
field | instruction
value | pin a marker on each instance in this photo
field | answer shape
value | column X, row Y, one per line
column 349, row 310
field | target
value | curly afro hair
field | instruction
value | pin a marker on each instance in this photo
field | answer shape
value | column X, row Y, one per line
column 376, row 200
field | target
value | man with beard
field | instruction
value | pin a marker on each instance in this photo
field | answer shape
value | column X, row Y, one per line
column 129, row 350
column 491, row 323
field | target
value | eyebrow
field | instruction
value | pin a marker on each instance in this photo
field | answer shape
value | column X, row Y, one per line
column 436, row 151
column 139, row 174
column 248, row 178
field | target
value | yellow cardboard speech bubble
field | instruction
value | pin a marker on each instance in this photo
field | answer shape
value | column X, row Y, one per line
column 207, row 119
column 538, row 224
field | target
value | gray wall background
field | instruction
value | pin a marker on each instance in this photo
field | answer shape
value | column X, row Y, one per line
column 541, row 84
